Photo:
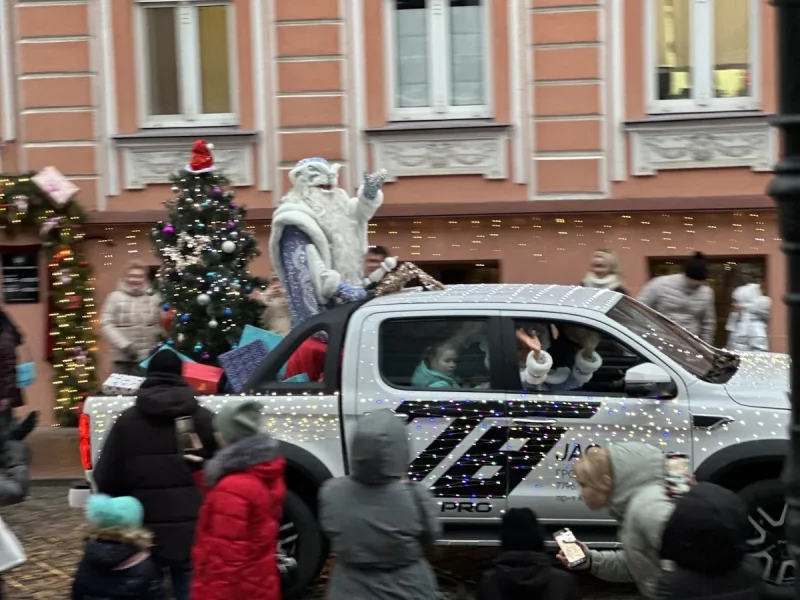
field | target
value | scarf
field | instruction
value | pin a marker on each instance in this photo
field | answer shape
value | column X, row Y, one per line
column 609, row 282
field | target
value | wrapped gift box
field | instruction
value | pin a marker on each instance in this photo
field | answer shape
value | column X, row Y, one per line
column 144, row 364
column 250, row 334
column 122, row 385
column 203, row 378
column 241, row 363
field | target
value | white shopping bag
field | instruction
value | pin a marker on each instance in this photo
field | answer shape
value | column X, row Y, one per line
column 11, row 552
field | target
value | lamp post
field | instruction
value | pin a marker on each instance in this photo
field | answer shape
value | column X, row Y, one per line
column 785, row 190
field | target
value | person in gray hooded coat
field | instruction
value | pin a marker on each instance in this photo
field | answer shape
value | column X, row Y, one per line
column 379, row 524
column 628, row 480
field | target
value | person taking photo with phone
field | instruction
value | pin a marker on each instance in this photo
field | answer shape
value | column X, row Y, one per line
column 523, row 570
column 628, row 480
column 144, row 457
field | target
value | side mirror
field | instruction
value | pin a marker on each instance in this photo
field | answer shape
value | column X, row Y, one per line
column 650, row 381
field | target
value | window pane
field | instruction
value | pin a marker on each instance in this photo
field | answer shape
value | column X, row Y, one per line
column 731, row 49
column 448, row 353
column 466, row 53
column 413, row 86
column 215, row 76
column 673, row 49
column 162, row 62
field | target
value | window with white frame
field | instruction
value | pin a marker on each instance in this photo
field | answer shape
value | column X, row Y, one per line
column 438, row 58
column 187, row 62
column 704, row 55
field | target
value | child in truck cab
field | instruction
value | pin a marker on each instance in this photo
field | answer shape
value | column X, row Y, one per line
column 437, row 368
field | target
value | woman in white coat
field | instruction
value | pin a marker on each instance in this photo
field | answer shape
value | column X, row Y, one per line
column 748, row 322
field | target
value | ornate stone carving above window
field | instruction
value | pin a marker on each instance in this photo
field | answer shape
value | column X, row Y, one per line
column 441, row 148
column 152, row 157
column 704, row 143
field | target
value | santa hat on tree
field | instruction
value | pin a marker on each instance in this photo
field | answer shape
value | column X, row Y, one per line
column 202, row 161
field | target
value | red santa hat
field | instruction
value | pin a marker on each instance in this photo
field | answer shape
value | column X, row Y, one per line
column 202, row 161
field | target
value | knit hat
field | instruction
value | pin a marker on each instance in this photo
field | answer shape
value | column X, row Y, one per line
column 105, row 511
column 707, row 533
column 520, row 531
column 202, row 161
column 165, row 361
column 696, row 268
column 238, row 420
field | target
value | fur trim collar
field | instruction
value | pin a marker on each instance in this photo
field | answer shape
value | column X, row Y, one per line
column 239, row 457
column 609, row 282
column 140, row 538
column 302, row 217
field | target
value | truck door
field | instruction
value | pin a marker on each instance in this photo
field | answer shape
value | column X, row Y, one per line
column 435, row 370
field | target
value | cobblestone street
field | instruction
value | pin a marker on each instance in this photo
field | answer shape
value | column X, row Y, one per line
column 51, row 535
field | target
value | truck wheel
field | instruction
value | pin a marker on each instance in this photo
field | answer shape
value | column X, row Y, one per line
column 766, row 508
column 301, row 538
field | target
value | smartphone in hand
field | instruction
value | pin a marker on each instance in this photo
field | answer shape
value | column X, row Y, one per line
column 678, row 473
column 188, row 440
column 570, row 548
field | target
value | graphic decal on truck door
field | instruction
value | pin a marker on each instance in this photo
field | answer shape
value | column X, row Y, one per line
column 502, row 457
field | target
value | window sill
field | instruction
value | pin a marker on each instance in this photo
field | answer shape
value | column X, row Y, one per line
column 429, row 148
column 702, row 141
column 152, row 156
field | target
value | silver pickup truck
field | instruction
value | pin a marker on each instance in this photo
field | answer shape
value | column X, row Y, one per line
column 485, row 443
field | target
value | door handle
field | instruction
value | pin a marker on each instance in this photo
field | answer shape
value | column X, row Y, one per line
column 534, row 421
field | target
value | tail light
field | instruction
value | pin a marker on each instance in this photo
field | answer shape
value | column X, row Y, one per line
column 85, row 440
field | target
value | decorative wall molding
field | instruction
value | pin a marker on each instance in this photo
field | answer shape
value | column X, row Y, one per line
column 706, row 145
column 442, row 152
column 151, row 161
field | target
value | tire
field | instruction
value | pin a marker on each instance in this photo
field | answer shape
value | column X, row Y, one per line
column 766, row 508
column 301, row 538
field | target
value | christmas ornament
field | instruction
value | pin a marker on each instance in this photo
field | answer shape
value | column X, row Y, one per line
column 21, row 204
column 213, row 324
column 169, row 230
column 228, row 247
column 204, row 299
column 184, row 318
column 175, row 189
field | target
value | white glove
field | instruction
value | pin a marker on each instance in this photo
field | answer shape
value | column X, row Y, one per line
column 388, row 265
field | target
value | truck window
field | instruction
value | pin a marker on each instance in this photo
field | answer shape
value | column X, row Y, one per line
column 431, row 353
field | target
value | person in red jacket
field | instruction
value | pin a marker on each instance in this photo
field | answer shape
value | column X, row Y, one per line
column 234, row 556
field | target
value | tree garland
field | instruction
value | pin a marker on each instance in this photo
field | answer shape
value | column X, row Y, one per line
column 24, row 206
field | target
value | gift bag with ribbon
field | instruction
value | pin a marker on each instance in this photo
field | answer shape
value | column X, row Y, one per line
column 26, row 371
column 11, row 552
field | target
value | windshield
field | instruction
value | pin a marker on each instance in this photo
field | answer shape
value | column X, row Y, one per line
column 701, row 360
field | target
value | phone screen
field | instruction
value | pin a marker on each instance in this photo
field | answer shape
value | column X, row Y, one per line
column 678, row 472
column 188, row 441
column 569, row 546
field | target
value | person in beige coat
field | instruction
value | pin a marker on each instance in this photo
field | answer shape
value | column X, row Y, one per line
column 685, row 298
column 131, row 320
column 277, row 317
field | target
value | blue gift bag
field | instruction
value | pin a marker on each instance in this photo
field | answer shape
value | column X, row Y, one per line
column 26, row 374
column 146, row 361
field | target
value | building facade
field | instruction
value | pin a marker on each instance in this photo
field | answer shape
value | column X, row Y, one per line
column 519, row 135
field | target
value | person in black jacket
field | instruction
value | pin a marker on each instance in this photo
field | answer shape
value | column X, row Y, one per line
column 142, row 458
column 704, row 549
column 523, row 571
column 116, row 560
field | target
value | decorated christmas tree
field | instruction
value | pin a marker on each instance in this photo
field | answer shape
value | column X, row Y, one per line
column 204, row 280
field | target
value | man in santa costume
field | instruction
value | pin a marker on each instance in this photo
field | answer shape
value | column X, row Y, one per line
column 319, row 238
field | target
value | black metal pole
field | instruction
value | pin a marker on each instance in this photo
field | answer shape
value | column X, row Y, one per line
column 785, row 190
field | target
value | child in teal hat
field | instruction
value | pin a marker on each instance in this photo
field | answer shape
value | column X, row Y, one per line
column 116, row 561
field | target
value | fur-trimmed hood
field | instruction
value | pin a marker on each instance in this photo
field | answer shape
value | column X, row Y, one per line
column 244, row 456
column 107, row 548
column 141, row 538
